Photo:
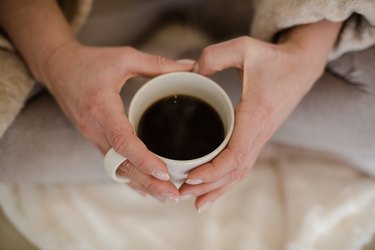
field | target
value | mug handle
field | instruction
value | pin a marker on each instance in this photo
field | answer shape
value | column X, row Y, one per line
column 112, row 160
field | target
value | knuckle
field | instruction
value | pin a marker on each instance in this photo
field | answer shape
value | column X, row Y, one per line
column 119, row 142
column 142, row 163
column 84, row 126
column 239, row 157
column 208, row 56
column 160, row 61
column 235, row 176
column 91, row 103
column 127, row 50
column 244, row 40
column 148, row 184
column 244, row 43
column 127, row 168
column 216, row 172
column 127, row 53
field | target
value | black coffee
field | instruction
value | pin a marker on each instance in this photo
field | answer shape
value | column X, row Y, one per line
column 181, row 127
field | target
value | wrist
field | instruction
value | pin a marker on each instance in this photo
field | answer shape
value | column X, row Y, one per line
column 300, row 61
column 37, row 28
column 311, row 44
column 52, row 59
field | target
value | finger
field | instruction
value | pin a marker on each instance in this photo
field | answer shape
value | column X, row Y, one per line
column 161, row 190
column 150, row 65
column 187, row 190
column 110, row 114
column 137, row 188
column 223, row 55
column 198, row 190
column 226, row 162
column 236, row 157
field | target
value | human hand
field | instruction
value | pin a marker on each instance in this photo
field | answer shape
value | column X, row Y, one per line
column 275, row 78
column 86, row 82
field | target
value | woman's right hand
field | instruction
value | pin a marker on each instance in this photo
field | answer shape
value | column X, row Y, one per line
column 86, row 82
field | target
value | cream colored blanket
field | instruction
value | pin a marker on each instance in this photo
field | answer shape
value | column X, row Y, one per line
column 291, row 200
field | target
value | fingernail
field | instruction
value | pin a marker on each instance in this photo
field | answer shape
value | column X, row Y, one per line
column 204, row 207
column 160, row 175
column 196, row 68
column 171, row 198
column 186, row 197
column 185, row 61
column 194, row 181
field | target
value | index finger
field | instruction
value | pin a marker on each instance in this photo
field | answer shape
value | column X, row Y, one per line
column 120, row 134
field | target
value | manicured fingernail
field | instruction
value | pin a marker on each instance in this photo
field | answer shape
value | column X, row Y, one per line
column 185, row 61
column 204, row 207
column 171, row 198
column 160, row 175
column 194, row 181
column 196, row 68
column 186, row 197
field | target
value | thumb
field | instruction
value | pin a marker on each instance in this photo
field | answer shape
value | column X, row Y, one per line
column 150, row 65
column 217, row 57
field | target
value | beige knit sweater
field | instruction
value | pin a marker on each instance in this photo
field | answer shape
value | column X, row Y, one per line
column 270, row 17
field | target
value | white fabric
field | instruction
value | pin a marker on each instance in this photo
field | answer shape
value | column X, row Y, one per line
column 291, row 200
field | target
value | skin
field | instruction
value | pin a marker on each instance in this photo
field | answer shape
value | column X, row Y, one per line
column 275, row 78
column 86, row 82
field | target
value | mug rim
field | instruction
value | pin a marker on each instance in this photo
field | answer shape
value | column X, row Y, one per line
column 205, row 158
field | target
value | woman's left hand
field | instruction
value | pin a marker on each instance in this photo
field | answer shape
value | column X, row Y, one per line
column 275, row 78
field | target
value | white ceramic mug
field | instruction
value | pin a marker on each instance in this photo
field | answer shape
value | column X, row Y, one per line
column 178, row 83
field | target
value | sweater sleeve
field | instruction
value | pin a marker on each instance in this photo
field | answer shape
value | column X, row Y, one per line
column 16, row 82
column 358, row 32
